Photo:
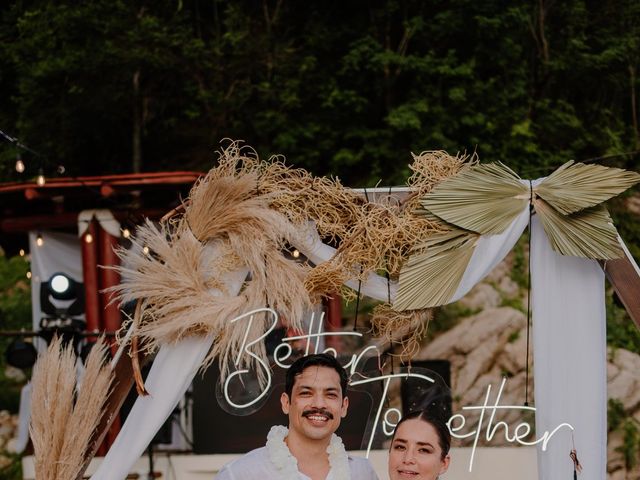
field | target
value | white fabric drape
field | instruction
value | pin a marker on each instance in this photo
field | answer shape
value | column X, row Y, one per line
column 171, row 374
column 569, row 346
column 489, row 252
column 104, row 218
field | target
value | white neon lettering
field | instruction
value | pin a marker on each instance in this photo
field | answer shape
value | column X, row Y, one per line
column 375, row 422
column 285, row 350
column 387, row 423
column 521, row 430
column 245, row 348
column 278, row 359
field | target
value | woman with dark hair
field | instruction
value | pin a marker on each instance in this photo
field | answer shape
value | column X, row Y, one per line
column 419, row 447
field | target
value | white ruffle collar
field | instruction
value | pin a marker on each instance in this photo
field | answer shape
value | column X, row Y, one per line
column 287, row 465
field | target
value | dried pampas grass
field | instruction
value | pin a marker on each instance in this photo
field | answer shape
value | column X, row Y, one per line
column 61, row 429
column 54, row 382
column 249, row 211
column 382, row 234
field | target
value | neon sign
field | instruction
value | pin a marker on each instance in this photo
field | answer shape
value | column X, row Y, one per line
column 456, row 423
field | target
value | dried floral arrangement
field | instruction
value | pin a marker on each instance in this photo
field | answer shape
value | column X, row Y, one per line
column 245, row 212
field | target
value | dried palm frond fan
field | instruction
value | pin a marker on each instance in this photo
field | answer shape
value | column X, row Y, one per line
column 243, row 214
column 486, row 199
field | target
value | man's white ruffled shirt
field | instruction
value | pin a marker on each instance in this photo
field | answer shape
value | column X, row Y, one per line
column 275, row 461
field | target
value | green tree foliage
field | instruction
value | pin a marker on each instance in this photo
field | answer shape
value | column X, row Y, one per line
column 15, row 314
column 347, row 88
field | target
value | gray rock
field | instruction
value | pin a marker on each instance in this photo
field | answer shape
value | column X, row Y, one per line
column 481, row 296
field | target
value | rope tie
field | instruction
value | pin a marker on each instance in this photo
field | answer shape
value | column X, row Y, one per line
column 526, row 375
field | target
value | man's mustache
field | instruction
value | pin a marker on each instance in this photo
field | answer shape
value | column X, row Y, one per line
column 318, row 411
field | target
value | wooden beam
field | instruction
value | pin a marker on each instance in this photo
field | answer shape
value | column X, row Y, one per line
column 624, row 276
column 66, row 220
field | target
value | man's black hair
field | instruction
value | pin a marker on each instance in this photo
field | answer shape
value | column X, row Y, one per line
column 315, row 360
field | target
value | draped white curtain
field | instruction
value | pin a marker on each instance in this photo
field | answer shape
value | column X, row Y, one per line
column 569, row 340
column 568, row 349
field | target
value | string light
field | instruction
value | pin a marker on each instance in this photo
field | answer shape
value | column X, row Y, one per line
column 126, row 233
column 29, row 275
column 22, row 252
column 145, row 250
column 40, row 180
column 88, row 238
column 19, row 164
column 39, row 240
column 296, row 253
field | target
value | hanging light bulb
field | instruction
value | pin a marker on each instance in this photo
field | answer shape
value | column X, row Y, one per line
column 88, row 238
column 19, row 164
column 39, row 240
column 29, row 275
column 22, row 252
column 40, row 180
column 145, row 250
column 126, row 233
column 296, row 253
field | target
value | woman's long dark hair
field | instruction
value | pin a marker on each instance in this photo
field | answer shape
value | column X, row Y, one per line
column 436, row 421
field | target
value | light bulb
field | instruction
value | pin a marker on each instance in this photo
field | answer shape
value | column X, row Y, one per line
column 88, row 238
column 39, row 240
column 145, row 250
column 22, row 252
column 296, row 253
column 29, row 275
column 40, row 180
column 126, row 233
column 19, row 165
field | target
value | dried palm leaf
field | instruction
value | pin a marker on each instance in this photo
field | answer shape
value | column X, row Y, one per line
column 589, row 233
column 431, row 276
column 576, row 186
column 482, row 198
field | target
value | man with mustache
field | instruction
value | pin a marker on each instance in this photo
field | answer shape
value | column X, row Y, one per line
column 315, row 401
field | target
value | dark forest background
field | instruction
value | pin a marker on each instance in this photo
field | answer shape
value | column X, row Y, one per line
column 347, row 88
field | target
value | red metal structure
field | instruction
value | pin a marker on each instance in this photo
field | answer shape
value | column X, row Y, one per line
column 56, row 206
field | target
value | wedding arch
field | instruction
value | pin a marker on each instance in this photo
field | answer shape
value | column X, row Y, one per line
column 221, row 255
